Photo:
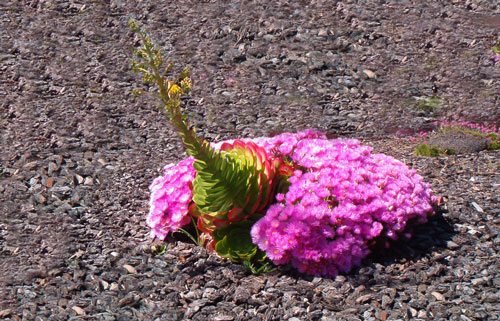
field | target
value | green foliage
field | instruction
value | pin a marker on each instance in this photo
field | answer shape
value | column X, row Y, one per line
column 431, row 151
column 494, row 145
column 233, row 185
column 459, row 129
column 158, row 249
column 493, row 141
column 222, row 180
column 430, row 104
column 235, row 244
column 496, row 48
column 426, row 150
column 136, row 92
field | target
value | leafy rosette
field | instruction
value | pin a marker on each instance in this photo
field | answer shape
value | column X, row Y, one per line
column 225, row 201
column 169, row 212
column 240, row 192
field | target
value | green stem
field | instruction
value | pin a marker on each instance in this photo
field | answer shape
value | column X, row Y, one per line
column 183, row 231
column 195, row 145
column 196, row 231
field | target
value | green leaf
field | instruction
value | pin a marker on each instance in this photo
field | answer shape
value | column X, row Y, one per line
column 235, row 182
column 234, row 243
column 158, row 249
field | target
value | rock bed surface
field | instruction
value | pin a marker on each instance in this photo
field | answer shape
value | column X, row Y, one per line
column 79, row 149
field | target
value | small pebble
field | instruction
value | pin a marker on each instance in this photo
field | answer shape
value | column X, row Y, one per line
column 382, row 315
column 364, row 298
column 225, row 317
column 422, row 314
column 477, row 207
column 114, row 287
column 370, row 74
column 5, row 313
column 438, row 296
column 104, row 284
column 89, row 181
column 452, row 245
column 78, row 310
column 130, row 269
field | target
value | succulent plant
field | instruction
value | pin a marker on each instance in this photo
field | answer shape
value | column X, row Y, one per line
column 232, row 183
column 234, row 186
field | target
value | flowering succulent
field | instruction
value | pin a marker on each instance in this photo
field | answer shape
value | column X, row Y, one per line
column 250, row 193
column 231, row 183
column 338, row 202
column 298, row 199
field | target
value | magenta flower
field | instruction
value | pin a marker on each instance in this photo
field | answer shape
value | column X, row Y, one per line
column 170, row 199
column 342, row 199
column 171, row 193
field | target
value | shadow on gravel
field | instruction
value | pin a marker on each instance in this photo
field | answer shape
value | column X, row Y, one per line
column 426, row 238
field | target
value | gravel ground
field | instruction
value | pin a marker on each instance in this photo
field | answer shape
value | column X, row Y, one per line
column 79, row 150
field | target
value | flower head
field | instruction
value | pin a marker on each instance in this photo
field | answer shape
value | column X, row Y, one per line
column 343, row 198
column 170, row 198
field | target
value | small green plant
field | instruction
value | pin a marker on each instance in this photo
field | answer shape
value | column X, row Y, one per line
column 480, row 134
column 496, row 52
column 158, row 249
column 234, row 243
column 492, row 138
column 431, row 151
column 496, row 48
column 493, row 141
column 136, row 92
column 429, row 104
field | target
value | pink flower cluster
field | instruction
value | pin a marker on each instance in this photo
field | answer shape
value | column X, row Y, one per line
column 483, row 128
column 170, row 198
column 171, row 193
column 342, row 198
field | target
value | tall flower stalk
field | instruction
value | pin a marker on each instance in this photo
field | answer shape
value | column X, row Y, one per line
column 233, row 184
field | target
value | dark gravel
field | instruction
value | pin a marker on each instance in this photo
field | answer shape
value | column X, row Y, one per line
column 79, row 149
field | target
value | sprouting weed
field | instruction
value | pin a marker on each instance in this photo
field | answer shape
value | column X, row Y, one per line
column 158, row 249
column 429, row 104
column 430, row 151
